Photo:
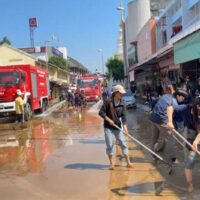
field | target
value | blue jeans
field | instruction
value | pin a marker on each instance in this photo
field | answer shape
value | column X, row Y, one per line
column 119, row 136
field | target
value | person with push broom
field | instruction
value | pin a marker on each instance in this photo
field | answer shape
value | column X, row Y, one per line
column 162, row 120
column 113, row 113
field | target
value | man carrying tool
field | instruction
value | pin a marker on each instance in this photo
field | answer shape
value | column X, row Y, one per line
column 19, row 107
column 113, row 112
column 162, row 120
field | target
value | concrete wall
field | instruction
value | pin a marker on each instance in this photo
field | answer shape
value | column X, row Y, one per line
column 146, row 41
column 191, row 12
column 9, row 56
column 138, row 15
column 64, row 51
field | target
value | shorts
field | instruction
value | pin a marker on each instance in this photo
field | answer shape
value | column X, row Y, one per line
column 190, row 160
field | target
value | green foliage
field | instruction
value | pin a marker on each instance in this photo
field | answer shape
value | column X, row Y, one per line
column 5, row 40
column 115, row 68
column 59, row 62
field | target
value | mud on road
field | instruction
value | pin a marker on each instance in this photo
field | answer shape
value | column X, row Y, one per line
column 62, row 156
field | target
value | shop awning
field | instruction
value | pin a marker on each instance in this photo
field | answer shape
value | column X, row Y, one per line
column 187, row 49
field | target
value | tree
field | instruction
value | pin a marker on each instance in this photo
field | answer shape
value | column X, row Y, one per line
column 115, row 68
column 59, row 62
column 5, row 40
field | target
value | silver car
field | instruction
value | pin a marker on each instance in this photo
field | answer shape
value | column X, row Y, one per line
column 129, row 99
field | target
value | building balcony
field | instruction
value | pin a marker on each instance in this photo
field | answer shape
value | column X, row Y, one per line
column 192, row 21
column 177, row 16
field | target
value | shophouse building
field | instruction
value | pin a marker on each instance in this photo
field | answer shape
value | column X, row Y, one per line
column 138, row 16
column 177, row 32
column 146, row 46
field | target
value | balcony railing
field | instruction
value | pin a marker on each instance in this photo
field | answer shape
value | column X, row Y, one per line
column 192, row 21
column 176, row 16
column 192, row 3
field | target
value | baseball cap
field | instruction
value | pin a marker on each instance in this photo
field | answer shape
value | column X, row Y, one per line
column 182, row 92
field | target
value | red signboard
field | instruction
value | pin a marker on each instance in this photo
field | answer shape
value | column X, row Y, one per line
column 43, row 49
column 32, row 22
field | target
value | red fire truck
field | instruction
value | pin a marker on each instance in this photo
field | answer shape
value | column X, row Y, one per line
column 31, row 80
column 91, row 85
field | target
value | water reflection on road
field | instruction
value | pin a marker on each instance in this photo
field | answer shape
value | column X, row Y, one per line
column 26, row 149
column 63, row 157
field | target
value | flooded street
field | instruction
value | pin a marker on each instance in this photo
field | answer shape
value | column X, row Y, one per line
column 62, row 156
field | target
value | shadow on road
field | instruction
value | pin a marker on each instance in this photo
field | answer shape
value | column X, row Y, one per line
column 144, row 189
column 92, row 141
column 85, row 166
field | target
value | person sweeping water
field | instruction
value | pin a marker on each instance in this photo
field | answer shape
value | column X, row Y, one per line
column 113, row 113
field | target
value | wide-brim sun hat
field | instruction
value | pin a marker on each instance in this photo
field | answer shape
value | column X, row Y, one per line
column 118, row 88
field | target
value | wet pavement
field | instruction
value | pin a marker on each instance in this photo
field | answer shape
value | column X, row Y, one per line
column 62, row 156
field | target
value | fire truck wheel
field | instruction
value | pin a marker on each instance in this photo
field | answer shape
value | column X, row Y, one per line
column 28, row 112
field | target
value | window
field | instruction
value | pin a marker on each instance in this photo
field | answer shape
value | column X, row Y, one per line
column 87, row 83
column 23, row 78
column 164, row 37
column 9, row 78
column 132, row 55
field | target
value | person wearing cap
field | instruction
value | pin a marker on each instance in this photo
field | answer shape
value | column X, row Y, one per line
column 182, row 119
column 113, row 113
column 162, row 121
column 19, row 106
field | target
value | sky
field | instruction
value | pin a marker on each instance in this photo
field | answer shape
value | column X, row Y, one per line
column 83, row 26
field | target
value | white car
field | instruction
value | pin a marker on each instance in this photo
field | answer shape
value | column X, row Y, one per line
column 129, row 99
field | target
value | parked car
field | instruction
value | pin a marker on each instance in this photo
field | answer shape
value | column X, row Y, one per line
column 129, row 99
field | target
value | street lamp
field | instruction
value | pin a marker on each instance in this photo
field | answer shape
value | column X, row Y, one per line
column 122, row 24
column 102, row 60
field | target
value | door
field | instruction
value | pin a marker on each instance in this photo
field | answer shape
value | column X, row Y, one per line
column 34, row 85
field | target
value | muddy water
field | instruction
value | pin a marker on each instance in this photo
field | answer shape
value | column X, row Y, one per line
column 62, row 156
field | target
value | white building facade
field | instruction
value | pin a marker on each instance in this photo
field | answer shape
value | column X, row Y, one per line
column 177, row 41
column 179, row 16
column 138, row 15
column 178, row 28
